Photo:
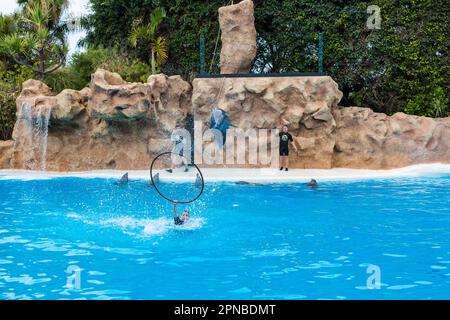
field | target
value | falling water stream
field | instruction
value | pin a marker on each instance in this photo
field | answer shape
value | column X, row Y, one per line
column 36, row 126
column 40, row 135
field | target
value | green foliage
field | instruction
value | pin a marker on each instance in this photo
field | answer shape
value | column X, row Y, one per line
column 37, row 39
column 7, row 27
column 148, row 34
column 64, row 78
column 112, row 22
column 85, row 63
column 7, row 110
column 10, row 87
column 434, row 104
column 414, row 48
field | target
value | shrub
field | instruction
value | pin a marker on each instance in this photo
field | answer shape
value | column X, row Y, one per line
column 7, row 110
column 85, row 63
column 433, row 104
column 64, row 78
column 10, row 87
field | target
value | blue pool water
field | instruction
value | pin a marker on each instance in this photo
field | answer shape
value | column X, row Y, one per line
column 280, row 241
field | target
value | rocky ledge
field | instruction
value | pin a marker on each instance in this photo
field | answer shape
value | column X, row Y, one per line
column 111, row 124
column 118, row 125
column 326, row 134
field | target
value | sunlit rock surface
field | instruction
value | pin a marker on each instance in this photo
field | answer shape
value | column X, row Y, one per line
column 238, row 35
column 365, row 139
column 111, row 124
column 6, row 153
column 327, row 135
column 118, row 125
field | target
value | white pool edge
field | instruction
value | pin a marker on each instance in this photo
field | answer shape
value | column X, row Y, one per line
column 246, row 174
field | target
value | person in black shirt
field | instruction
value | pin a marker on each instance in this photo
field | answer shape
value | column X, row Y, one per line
column 285, row 138
column 176, row 219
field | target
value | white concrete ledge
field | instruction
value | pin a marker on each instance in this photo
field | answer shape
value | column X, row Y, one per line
column 247, row 175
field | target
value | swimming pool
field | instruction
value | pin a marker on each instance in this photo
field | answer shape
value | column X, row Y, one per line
column 273, row 241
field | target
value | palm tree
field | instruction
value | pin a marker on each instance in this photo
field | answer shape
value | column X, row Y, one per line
column 147, row 33
column 7, row 27
column 39, row 41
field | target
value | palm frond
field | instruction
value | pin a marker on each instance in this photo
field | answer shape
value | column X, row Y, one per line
column 159, row 46
column 35, row 15
column 156, row 18
column 137, row 33
column 13, row 44
column 7, row 24
column 42, row 33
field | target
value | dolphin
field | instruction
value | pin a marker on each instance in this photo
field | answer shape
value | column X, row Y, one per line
column 241, row 182
column 155, row 180
column 123, row 180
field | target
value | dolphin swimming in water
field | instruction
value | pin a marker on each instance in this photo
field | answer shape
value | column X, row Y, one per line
column 241, row 182
column 155, row 180
column 123, row 180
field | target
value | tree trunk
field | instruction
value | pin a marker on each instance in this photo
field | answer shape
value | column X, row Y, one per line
column 153, row 62
column 41, row 64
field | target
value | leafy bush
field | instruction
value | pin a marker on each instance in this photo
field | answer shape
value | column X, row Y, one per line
column 10, row 87
column 64, row 78
column 85, row 63
column 434, row 104
column 7, row 110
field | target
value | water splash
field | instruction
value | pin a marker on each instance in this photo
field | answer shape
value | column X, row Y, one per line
column 140, row 227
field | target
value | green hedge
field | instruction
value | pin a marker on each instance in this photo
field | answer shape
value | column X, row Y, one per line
column 10, row 87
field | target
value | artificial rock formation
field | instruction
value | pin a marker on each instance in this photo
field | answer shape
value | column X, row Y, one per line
column 111, row 124
column 365, row 139
column 302, row 103
column 327, row 135
column 237, row 25
column 118, row 125
column 6, row 153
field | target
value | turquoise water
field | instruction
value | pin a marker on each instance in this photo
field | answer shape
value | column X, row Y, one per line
column 244, row 241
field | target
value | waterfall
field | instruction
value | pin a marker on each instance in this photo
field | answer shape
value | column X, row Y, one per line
column 40, row 135
column 35, row 128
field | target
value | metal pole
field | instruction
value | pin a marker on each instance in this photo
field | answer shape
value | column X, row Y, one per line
column 320, row 54
column 202, row 53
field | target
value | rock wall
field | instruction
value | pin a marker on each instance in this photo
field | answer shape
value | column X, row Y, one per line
column 118, row 125
column 237, row 24
column 365, row 139
column 6, row 153
column 327, row 135
column 112, row 124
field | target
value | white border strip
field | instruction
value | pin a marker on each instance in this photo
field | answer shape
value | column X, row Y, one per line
column 247, row 175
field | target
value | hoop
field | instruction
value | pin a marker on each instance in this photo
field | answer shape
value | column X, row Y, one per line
column 164, row 196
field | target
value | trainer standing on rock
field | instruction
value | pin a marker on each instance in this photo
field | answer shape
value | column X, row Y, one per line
column 285, row 138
